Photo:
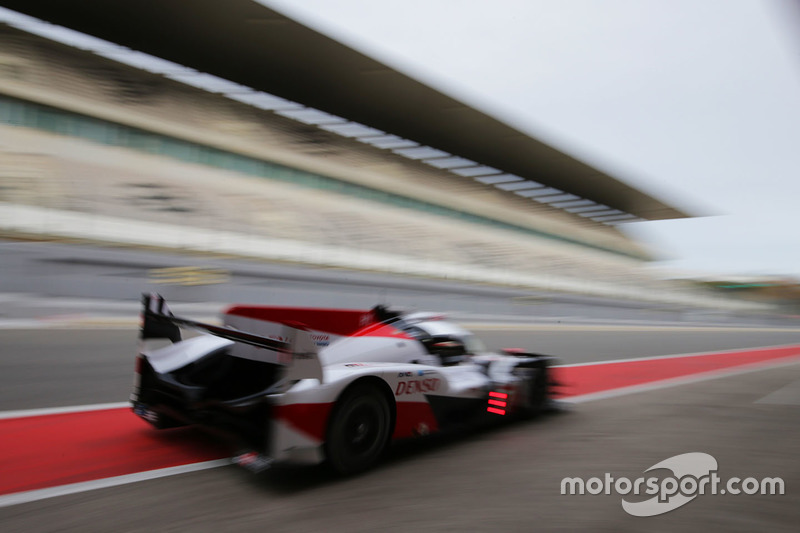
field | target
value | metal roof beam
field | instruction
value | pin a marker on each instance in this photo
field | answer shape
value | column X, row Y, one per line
column 254, row 46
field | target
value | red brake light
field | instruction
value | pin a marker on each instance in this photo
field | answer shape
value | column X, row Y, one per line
column 497, row 403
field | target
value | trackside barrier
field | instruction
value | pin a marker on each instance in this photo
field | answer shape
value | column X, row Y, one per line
column 31, row 220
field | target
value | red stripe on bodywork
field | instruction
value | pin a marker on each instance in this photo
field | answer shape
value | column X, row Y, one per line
column 382, row 330
column 579, row 380
column 414, row 419
column 45, row 451
column 310, row 418
column 343, row 322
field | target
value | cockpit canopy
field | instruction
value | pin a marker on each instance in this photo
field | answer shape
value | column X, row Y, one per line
column 450, row 343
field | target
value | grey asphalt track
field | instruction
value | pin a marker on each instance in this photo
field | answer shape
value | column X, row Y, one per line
column 62, row 367
column 502, row 479
column 506, row 478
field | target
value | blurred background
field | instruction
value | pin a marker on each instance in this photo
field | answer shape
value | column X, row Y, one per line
column 595, row 180
column 312, row 154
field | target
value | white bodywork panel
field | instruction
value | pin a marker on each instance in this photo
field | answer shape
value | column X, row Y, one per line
column 432, row 374
column 292, row 446
column 182, row 353
column 376, row 350
column 302, row 359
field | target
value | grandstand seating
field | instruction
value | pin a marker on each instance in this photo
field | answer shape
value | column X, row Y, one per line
column 62, row 167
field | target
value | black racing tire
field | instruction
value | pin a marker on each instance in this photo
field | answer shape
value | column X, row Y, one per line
column 358, row 430
column 538, row 393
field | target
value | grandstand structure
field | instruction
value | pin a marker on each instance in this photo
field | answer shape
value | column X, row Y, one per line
column 116, row 145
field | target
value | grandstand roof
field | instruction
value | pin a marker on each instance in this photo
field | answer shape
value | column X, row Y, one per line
column 250, row 44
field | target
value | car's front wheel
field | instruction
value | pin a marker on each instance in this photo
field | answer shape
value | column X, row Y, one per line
column 358, row 430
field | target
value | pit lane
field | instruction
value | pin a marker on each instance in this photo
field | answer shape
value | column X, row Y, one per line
column 479, row 476
column 60, row 367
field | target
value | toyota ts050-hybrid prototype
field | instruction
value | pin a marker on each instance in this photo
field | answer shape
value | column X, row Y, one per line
column 306, row 385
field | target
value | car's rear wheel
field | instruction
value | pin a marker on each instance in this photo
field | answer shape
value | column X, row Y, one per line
column 538, row 392
column 359, row 430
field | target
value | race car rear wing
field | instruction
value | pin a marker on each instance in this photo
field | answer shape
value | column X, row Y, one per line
column 293, row 348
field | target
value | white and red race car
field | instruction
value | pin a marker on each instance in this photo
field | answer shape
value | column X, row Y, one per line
column 300, row 385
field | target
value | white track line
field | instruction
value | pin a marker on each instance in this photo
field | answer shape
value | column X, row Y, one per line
column 74, row 488
column 52, row 492
column 119, row 405
column 685, row 380
column 624, row 326
column 679, row 355
column 22, row 413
